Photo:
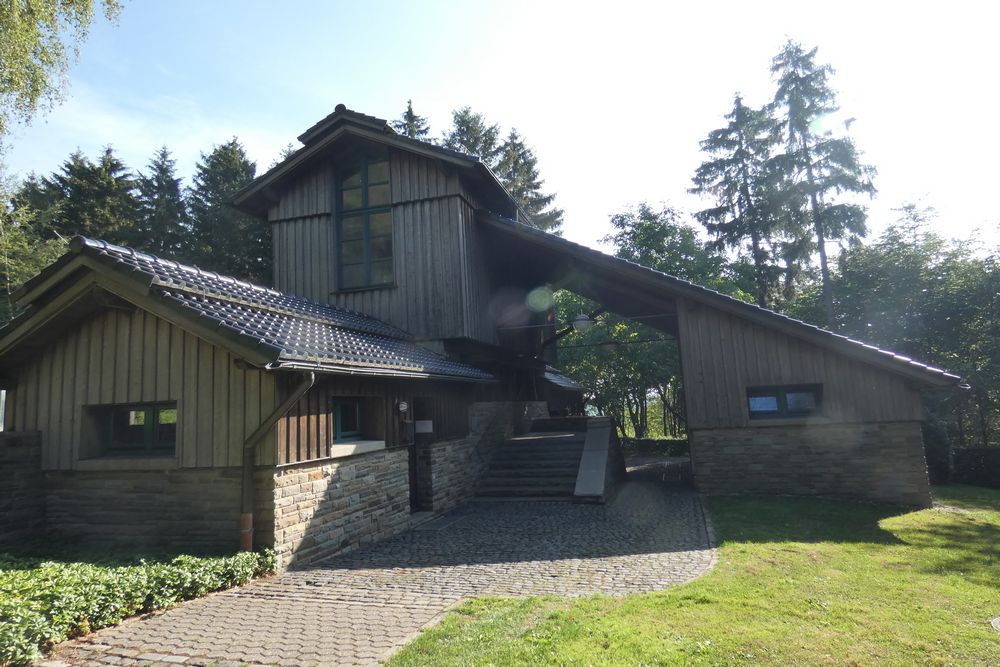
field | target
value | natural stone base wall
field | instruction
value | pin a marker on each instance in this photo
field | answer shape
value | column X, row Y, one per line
column 187, row 509
column 324, row 508
column 22, row 498
column 881, row 461
column 450, row 470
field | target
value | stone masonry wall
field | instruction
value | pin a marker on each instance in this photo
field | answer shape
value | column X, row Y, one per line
column 880, row 461
column 22, row 496
column 450, row 470
column 327, row 507
column 184, row 509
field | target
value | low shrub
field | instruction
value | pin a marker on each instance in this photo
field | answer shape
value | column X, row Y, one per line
column 43, row 603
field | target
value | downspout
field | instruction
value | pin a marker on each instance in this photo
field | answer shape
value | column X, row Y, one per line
column 249, row 454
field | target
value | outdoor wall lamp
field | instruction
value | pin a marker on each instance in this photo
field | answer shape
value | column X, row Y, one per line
column 583, row 323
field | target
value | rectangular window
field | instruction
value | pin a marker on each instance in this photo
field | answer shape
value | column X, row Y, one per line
column 364, row 226
column 346, row 419
column 135, row 430
column 784, row 401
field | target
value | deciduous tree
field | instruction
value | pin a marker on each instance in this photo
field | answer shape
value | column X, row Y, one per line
column 38, row 41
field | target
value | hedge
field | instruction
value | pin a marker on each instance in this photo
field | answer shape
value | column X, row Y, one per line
column 44, row 603
column 976, row 465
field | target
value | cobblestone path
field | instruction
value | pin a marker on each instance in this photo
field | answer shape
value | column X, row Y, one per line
column 359, row 608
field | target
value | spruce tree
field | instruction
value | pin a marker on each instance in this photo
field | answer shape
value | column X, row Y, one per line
column 95, row 199
column 471, row 134
column 737, row 176
column 163, row 225
column 411, row 125
column 224, row 239
column 818, row 166
column 517, row 169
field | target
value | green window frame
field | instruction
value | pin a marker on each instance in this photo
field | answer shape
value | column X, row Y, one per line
column 138, row 429
column 785, row 401
column 346, row 419
column 364, row 226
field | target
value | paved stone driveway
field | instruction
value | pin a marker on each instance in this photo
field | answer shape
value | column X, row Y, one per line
column 361, row 607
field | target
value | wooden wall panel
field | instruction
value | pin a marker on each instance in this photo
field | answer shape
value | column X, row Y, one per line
column 135, row 357
column 437, row 292
column 722, row 355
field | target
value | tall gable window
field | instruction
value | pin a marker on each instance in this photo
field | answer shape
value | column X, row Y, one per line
column 364, row 226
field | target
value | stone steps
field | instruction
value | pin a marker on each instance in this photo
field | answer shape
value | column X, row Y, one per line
column 536, row 465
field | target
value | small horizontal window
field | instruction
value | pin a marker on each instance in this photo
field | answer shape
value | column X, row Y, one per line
column 139, row 429
column 784, row 401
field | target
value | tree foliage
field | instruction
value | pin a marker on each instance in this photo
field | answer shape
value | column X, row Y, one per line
column 471, row 133
column 162, row 222
column 223, row 238
column 411, row 125
column 818, row 167
column 739, row 177
column 95, row 199
column 517, row 169
column 38, row 41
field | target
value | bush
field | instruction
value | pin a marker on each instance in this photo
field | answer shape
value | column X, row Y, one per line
column 976, row 465
column 43, row 603
column 657, row 447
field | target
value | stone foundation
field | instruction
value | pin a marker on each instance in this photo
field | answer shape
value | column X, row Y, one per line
column 22, row 496
column 449, row 471
column 882, row 461
column 187, row 509
column 327, row 507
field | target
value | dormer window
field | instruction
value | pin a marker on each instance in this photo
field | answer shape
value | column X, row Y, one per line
column 364, row 226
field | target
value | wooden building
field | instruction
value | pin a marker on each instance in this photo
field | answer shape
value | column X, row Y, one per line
column 173, row 404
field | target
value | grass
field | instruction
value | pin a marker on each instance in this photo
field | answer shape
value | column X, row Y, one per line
column 52, row 592
column 798, row 582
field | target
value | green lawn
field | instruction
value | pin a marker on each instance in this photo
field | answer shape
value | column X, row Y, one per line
column 799, row 581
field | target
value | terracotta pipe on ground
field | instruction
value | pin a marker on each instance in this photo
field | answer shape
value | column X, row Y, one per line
column 250, row 452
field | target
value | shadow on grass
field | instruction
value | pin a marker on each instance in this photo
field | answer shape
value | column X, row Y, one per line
column 799, row 519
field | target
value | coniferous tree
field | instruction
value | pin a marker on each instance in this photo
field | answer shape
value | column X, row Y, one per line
column 95, row 199
column 224, row 239
column 737, row 176
column 517, row 169
column 470, row 133
column 411, row 125
column 818, row 166
column 162, row 222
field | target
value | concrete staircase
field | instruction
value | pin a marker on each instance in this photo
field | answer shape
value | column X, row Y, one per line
column 540, row 464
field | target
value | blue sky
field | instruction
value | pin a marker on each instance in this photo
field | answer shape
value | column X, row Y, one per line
column 614, row 97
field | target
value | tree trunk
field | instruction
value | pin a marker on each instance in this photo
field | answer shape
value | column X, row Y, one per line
column 820, row 237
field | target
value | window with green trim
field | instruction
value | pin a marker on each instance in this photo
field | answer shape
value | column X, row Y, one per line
column 346, row 419
column 136, row 429
column 364, row 226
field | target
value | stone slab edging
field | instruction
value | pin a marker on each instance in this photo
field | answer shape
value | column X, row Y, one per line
column 592, row 474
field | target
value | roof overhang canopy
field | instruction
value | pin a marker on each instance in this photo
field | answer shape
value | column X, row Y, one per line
column 651, row 297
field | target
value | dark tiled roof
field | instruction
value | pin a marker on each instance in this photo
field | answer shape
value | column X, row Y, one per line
column 707, row 295
column 553, row 376
column 304, row 333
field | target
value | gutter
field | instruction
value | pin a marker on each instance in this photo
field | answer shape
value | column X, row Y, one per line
column 250, row 451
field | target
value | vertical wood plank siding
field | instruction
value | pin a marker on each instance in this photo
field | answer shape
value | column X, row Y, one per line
column 722, row 355
column 306, row 433
column 135, row 357
column 438, row 292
